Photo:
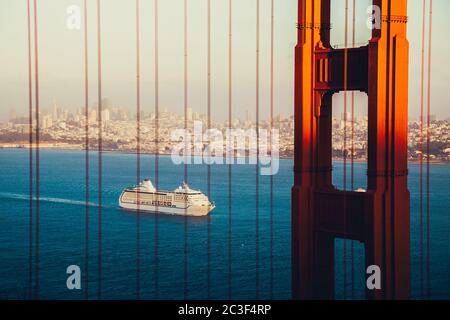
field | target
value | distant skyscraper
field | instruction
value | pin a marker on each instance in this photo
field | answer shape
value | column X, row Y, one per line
column 92, row 116
column 105, row 115
column 55, row 111
column 63, row 115
column 46, row 121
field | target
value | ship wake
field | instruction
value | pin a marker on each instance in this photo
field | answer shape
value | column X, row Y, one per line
column 26, row 197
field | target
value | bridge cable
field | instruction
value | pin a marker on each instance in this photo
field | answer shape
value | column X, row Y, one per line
column 345, row 146
column 138, row 151
column 428, row 282
column 209, row 155
column 86, row 110
column 230, row 110
column 257, row 147
column 186, row 146
column 37, row 111
column 352, row 174
column 30, row 158
column 100, row 161
column 421, row 147
column 272, row 20
column 156, row 62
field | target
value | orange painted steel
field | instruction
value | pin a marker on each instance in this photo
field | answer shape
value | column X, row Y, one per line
column 379, row 217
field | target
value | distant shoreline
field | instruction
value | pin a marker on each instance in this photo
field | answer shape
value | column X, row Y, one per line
column 77, row 147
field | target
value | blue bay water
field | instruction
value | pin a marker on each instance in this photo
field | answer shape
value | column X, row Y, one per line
column 62, row 230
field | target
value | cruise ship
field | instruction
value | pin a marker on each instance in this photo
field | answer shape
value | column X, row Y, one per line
column 181, row 201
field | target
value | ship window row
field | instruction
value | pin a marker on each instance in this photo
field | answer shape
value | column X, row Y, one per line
column 147, row 197
column 180, row 197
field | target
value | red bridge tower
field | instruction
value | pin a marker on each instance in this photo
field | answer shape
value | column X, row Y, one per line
column 321, row 213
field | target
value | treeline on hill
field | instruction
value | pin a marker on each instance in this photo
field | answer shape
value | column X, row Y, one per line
column 23, row 137
column 436, row 147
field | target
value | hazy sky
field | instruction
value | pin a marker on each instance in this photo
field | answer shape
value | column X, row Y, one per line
column 61, row 54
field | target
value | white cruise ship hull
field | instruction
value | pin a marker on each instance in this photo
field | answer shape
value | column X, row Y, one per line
column 193, row 211
column 182, row 202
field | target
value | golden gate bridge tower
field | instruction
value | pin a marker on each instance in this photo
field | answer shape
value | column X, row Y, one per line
column 379, row 217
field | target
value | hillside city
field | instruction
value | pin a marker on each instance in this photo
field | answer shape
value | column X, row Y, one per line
column 60, row 128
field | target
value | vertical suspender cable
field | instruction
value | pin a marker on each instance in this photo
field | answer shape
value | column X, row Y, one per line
column 352, row 155
column 272, row 19
column 86, row 128
column 345, row 145
column 428, row 281
column 186, row 146
column 257, row 147
column 36, row 83
column 389, row 123
column 156, row 254
column 138, row 152
column 421, row 152
column 100, row 164
column 230, row 104
column 30, row 158
column 209, row 167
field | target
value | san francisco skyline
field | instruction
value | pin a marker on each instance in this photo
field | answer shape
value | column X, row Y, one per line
column 61, row 63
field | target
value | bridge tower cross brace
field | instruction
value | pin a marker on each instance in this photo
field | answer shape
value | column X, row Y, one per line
column 379, row 217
